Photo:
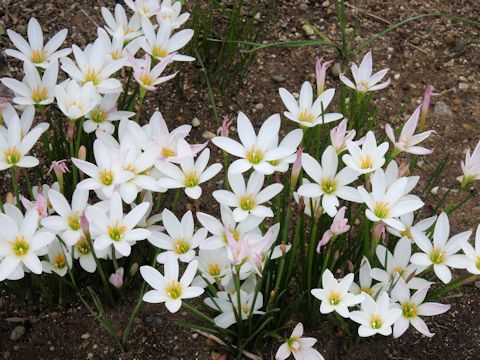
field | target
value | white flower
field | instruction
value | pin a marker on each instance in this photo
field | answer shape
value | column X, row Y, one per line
column 398, row 266
column 339, row 136
column 228, row 307
column 412, row 308
column 167, row 288
column 255, row 151
column 131, row 28
column 327, row 182
column 14, row 147
column 247, row 199
column 59, row 259
column 100, row 118
column 365, row 280
column 117, row 48
column 34, row 90
column 307, row 112
column 163, row 43
column 473, row 254
column 300, row 347
column 67, row 222
column 107, row 174
column 214, row 267
column 218, row 229
column 189, row 175
column 9, row 115
column 117, row 229
column 442, row 254
column 145, row 8
column 471, row 166
column 375, row 317
column 335, row 295
column 92, row 66
column 386, row 203
column 311, row 204
column 84, row 253
column 407, row 221
column 74, row 100
column 407, row 141
column 368, row 158
column 362, row 75
column 34, row 51
column 149, row 78
column 181, row 239
column 21, row 243
column 291, row 141
column 170, row 13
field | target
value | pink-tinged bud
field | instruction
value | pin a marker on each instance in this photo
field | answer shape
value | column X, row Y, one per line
column 339, row 226
column 225, row 128
column 321, row 70
column 379, row 231
column 3, row 100
column 296, row 167
column 425, row 105
column 59, row 168
column 403, row 169
column 82, row 155
column 116, row 279
column 10, row 199
column 237, row 250
column 339, row 136
column 85, row 224
column 71, row 130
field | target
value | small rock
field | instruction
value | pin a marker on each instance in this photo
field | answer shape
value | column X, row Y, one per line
column 278, row 78
column 396, row 76
column 420, row 163
column 416, row 40
column 326, row 4
column 336, row 69
column 434, row 190
column 85, row 336
column 154, row 319
column 195, row 122
column 6, row 355
column 449, row 39
column 457, row 102
column 51, row 348
column 195, row 335
column 442, row 109
column 257, row 16
column 459, row 46
column 259, row 106
column 208, row 135
column 17, row 332
column 308, row 30
column 303, row 7
column 89, row 355
column 390, row 49
column 463, row 86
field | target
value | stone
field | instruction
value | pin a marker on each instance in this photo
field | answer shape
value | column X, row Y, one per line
column 195, row 335
column 442, row 109
column 6, row 355
column 208, row 135
column 257, row 16
column 336, row 69
column 259, row 106
column 308, row 30
column 278, row 78
column 463, row 86
column 303, row 7
column 85, row 336
column 195, row 122
column 449, row 39
column 17, row 332
column 154, row 319
column 326, row 4
column 396, row 76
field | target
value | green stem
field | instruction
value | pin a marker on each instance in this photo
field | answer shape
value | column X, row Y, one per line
column 16, row 190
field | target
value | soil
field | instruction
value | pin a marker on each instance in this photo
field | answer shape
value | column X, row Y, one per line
column 436, row 51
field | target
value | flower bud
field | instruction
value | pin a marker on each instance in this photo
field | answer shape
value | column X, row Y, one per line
column 116, row 279
column 425, row 105
column 320, row 71
column 133, row 269
column 10, row 199
column 297, row 166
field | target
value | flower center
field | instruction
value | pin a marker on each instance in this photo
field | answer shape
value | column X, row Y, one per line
column 191, row 179
column 181, row 246
column 159, row 51
column 235, row 233
column 334, row 298
column 376, row 322
column 214, row 270
column 478, row 262
column 39, row 94
column 74, row 221
column 12, row 155
column 246, row 309
column 381, row 209
column 116, row 54
column 106, row 177
column 83, row 246
column 247, row 203
column 329, row 186
column 174, row 290
column 254, row 155
column 306, row 116
column 93, row 76
column 407, row 233
column 398, row 270
column 274, row 162
column 409, row 310
column 366, row 162
column 39, row 56
column 437, row 256
column 167, row 152
column 98, row 115
column 20, row 246
column 293, row 344
column 116, row 232
column 363, row 86
column 59, row 261
column 146, row 79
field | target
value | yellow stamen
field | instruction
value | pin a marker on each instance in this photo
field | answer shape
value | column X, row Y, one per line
column 366, row 162
column 39, row 56
column 159, row 51
column 146, row 79
column 12, row 155
column 214, row 270
column 92, row 76
column 254, row 155
column 83, row 246
column 59, row 261
column 247, row 203
column 409, row 310
column 376, row 322
column 19, row 246
column 116, row 232
column 329, row 186
column 39, row 94
column 174, row 289
column 191, row 179
column 106, row 177
column 98, row 115
column 334, row 298
column 381, row 210
column 306, row 116
column 437, row 256
column 167, row 152
column 181, row 246
column 74, row 221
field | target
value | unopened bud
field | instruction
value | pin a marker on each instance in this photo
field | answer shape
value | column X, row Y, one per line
column 403, row 169
column 296, row 167
column 336, row 255
column 82, row 155
column 85, row 225
column 10, row 199
column 273, row 294
column 283, row 249
column 116, row 279
column 133, row 269
column 350, row 266
column 71, row 130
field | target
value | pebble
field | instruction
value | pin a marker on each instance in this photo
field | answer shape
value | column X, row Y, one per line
column 303, row 7
column 442, row 109
column 336, row 69
column 390, row 49
column 326, row 4
column 154, row 319
column 434, row 190
column 396, row 76
column 278, row 78
column 449, row 39
column 195, row 122
column 89, row 355
column 85, row 336
column 6, row 355
column 308, row 30
column 420, row 163
column 208, row 135
column 51, row 348
column 257, row 16
column 195, row 335
column 17, row 332
column 259, row 106
column 463, row 86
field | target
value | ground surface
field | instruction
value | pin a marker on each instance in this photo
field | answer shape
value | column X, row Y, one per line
column 433, row 51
